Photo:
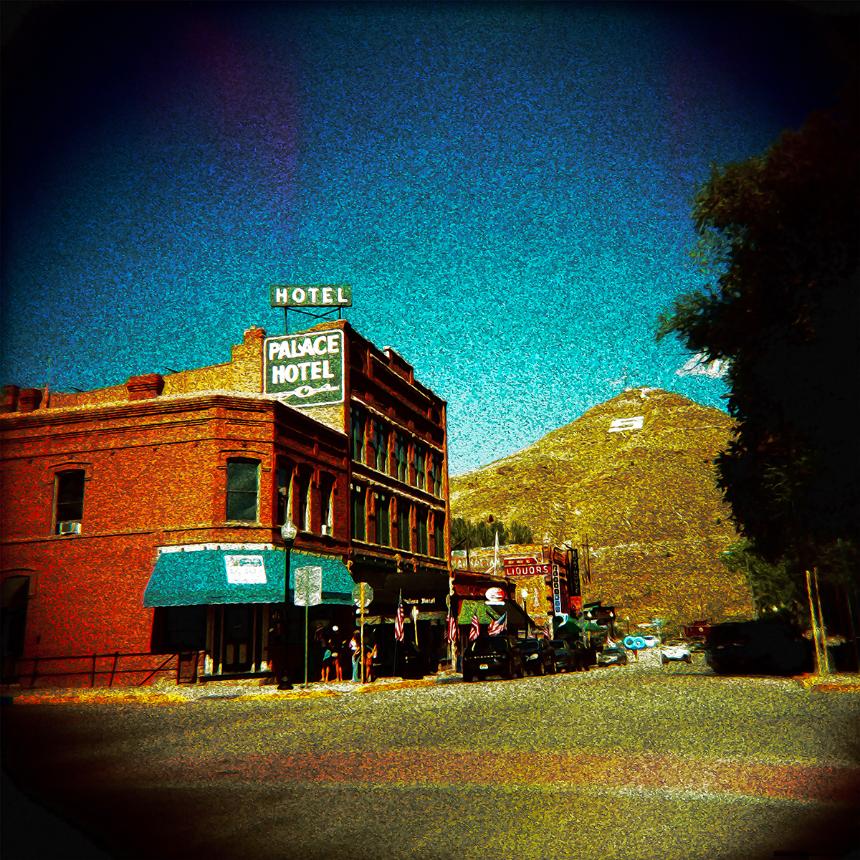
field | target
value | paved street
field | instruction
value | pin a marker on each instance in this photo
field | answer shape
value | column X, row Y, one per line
column 632, row 763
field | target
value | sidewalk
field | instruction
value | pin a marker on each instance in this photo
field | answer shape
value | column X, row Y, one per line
column 169, row 693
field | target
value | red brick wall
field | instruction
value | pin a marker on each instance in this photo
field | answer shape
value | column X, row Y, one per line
column 155, row 475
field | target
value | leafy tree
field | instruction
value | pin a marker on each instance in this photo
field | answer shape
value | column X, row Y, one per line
column 483, row 533
column 779, row 236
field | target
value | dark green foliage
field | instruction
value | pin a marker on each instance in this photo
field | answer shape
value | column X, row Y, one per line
column 465, row 533
column 781, row 235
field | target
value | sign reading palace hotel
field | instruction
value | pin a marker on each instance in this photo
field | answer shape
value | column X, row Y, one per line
column 304, row 369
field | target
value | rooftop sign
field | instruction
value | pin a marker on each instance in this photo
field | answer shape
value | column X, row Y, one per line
column 311, row 296
column 304, row 369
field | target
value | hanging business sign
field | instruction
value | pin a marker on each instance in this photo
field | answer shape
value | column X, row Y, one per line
column 539, row 568
column 311, row 296
column 556, row 590
column 304, row 369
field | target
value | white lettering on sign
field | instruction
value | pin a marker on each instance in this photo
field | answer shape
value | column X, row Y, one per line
column 323, row 344
column 311, row 295
column 540, row 569
column 621, row 424
column 245, row 569
column 305, row 367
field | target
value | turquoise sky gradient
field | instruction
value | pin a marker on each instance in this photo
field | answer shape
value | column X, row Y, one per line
column 507, row 188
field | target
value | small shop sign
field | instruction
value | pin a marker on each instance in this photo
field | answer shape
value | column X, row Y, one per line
column 245, row 569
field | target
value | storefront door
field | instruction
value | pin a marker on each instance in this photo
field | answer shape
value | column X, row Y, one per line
column 236, row 636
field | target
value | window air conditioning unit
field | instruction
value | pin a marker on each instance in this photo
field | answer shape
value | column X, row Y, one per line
column 69, row 527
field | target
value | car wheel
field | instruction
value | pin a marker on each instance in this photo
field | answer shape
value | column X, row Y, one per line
column 688, row 659
column 467, row 677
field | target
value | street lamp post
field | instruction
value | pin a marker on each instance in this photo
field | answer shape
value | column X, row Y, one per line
column 288, row 533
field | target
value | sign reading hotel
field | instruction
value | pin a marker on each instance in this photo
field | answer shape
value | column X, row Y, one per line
column 311, row 296
column 304, row 369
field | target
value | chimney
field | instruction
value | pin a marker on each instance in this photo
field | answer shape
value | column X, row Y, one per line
column 29, row 399
column 144, row 387
column 9, row 399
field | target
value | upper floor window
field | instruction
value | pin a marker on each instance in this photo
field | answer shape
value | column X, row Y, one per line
column 284, row 499
column 436, row 475
column 380, row 445
column 303, row 501
column 358, row 437
column 404, row 533
column 326, row 505
column 383, row 520
column 439, row 535
column 243, row 488
column 418, row 458
column 421, row 531
column 69, row 502
column 401, row 457
column 359, row 512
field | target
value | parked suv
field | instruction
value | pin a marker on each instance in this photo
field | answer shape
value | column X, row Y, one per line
column 492, row 655
column 538, row 656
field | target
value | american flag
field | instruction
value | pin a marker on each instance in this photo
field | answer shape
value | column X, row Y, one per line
column 398, row 620
column 452, row 629
column 475, row 629
column 499, row 625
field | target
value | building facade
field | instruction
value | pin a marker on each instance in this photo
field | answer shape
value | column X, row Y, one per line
column 141, row 529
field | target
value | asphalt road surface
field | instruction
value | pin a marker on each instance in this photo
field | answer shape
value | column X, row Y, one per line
column 614, row 763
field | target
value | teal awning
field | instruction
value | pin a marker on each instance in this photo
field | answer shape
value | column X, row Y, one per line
column 194, row 577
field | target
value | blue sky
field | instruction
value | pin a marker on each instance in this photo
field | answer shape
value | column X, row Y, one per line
column 507, row 188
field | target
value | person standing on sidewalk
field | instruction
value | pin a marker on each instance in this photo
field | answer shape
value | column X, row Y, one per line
column 355, row 650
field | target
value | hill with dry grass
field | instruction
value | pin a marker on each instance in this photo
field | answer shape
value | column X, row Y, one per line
column 644, row 499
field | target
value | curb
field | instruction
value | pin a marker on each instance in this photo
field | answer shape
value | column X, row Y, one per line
column 203, row 692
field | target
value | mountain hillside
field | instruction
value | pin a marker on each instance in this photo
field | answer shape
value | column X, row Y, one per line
column 634, row 477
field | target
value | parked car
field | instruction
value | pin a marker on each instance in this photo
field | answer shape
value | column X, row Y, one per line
column 492, row 655
column 568, row 658
column 612, row 655
column 761, row 647
column 651, row 641
column 538, row 656
column 675, row 651
column 398, row 660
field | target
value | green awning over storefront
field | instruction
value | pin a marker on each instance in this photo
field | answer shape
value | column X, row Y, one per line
column 194, row 576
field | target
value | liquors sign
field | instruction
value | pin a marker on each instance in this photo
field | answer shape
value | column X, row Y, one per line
column 304, row 369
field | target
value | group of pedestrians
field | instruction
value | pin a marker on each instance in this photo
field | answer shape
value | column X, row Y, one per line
column 335, row 654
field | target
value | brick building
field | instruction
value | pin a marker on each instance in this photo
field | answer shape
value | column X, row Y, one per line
column 141, row 524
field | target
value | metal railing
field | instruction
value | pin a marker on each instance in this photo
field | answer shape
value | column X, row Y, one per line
column 183, row 665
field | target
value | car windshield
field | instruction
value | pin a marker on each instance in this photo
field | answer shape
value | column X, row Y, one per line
column 529, row 645
column 488, row 646
column 559, row 644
